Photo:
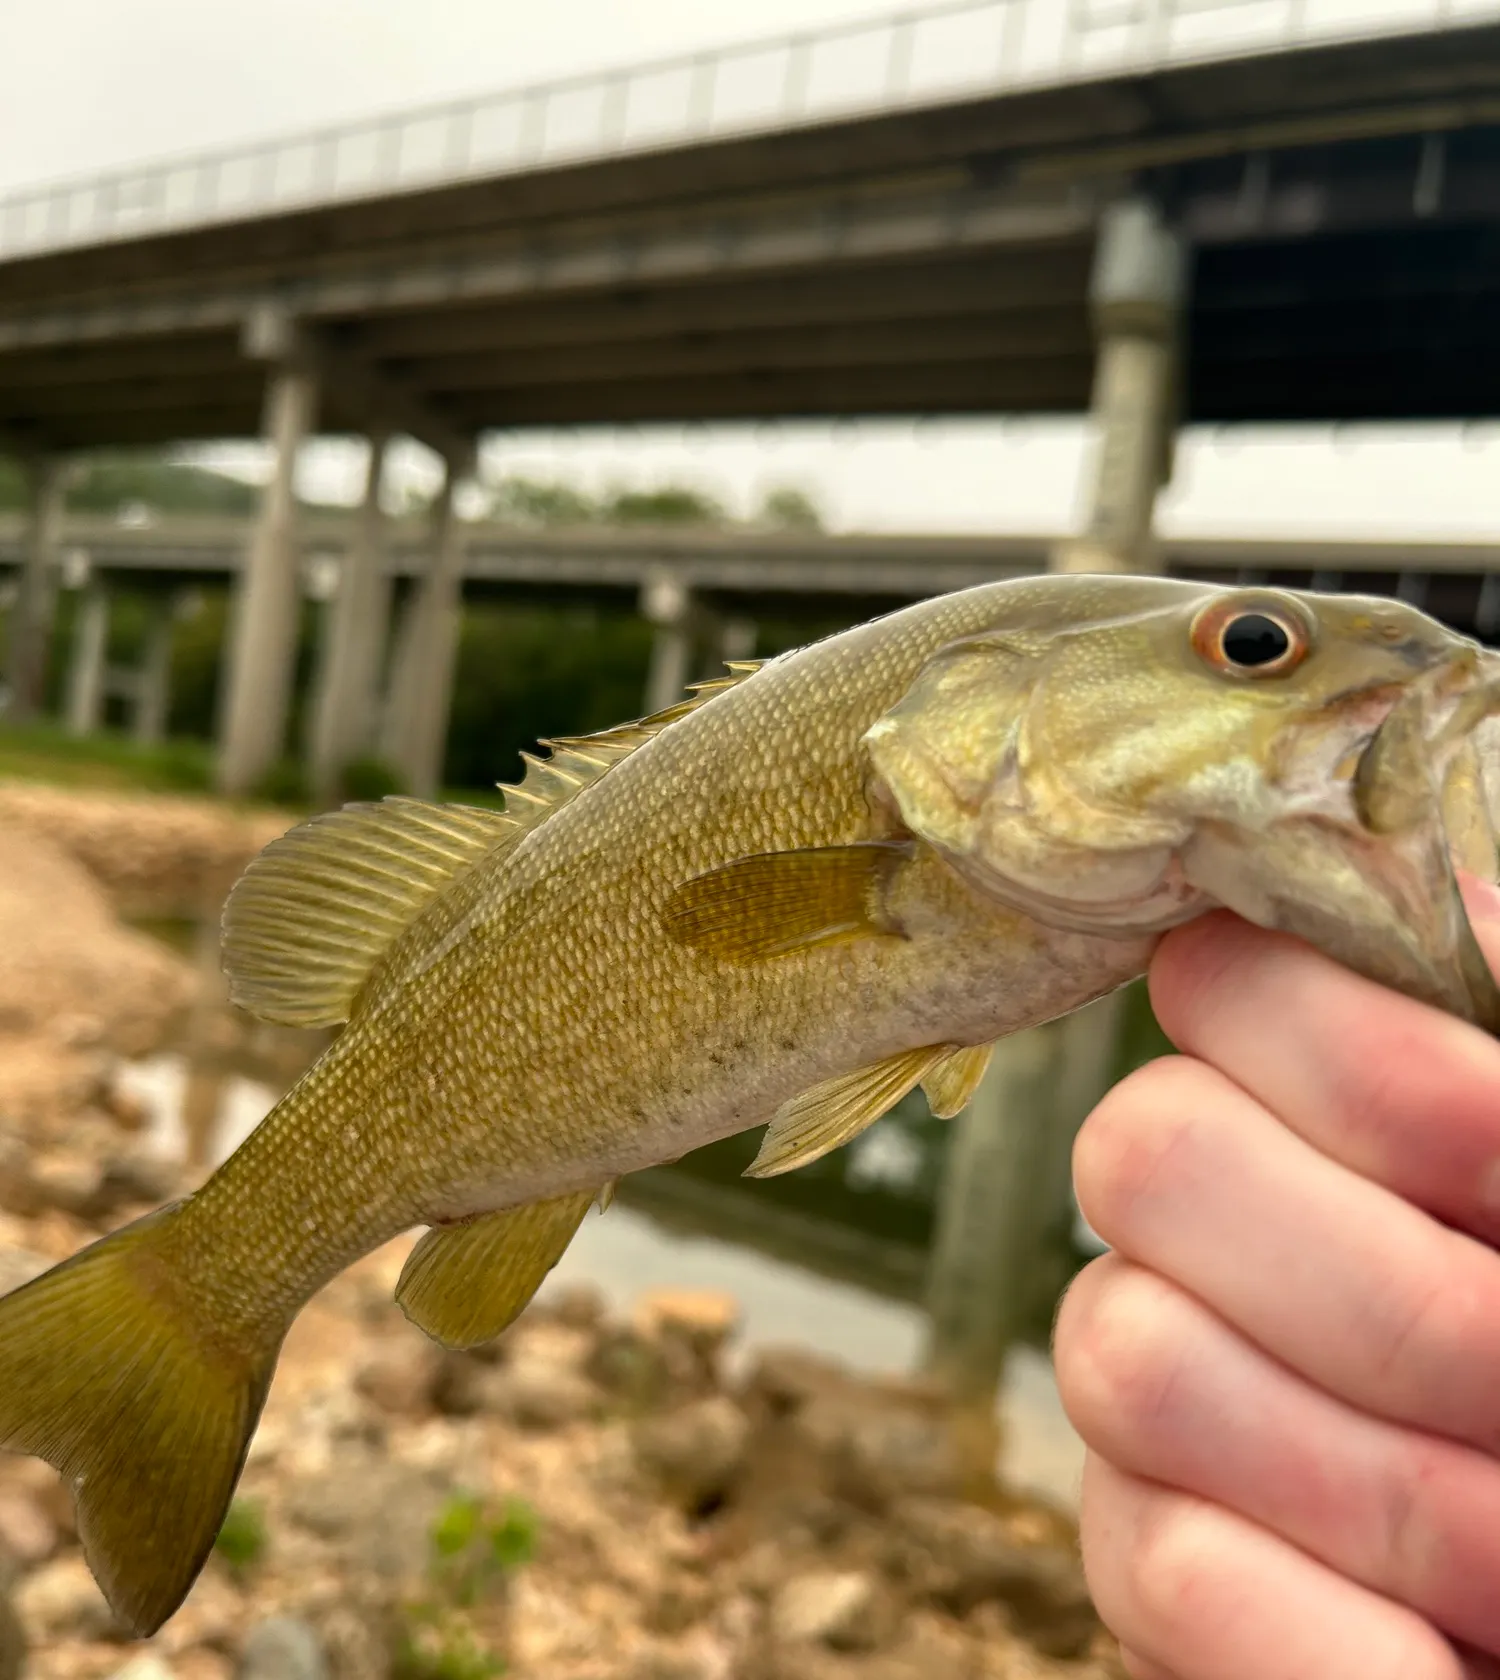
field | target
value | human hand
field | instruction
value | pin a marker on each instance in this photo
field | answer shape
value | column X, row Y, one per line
column 1288, row 1370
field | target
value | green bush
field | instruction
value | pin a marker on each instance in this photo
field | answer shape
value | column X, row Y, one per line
column 366, row 780
column 285, row 783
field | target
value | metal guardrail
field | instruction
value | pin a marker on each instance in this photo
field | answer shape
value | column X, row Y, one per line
column 905, row 59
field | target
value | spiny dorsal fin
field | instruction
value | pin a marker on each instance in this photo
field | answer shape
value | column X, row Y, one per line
column 832, row 1113
column 312, row 915
column 949, row 1086
column 576, row 761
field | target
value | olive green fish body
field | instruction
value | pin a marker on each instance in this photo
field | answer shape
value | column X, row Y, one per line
column 540, row 1032
column 789, row 901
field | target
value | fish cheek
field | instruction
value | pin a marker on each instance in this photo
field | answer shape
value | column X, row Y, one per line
column 937, row 756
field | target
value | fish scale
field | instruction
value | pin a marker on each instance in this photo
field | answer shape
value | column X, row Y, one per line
column 790, row 899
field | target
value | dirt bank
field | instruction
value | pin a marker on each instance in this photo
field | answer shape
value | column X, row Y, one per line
column 76, row 987
column 155, row 856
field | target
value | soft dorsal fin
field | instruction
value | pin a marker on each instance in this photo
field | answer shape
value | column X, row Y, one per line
column 313, row 914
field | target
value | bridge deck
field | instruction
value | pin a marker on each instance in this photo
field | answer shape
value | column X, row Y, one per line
column 1344, row 201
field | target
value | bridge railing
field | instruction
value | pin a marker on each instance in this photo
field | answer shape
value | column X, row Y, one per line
column 921, row 56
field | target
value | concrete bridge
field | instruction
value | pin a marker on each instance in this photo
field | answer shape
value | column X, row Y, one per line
column 1169, row 212
column 702, row 589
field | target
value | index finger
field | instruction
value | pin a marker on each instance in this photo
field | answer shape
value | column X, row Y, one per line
column 1394, row 1090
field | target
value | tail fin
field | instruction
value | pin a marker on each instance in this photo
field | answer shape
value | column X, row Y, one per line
column 105, row 1373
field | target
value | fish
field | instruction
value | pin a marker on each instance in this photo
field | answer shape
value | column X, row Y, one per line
column 816, row 884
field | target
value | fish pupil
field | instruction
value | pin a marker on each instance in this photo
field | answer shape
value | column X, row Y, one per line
column 1253, row 639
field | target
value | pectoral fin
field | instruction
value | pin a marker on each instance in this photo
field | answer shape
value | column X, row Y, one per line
column 465, row 1284
column 954, row 1080
column 832, row 1113
column 777, row 902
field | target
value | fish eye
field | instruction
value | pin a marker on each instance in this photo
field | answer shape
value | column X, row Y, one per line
column 1259, row 639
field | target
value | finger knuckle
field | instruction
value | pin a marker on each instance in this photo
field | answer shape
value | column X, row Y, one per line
column 1177, row 1563
column 1127, row 1146
column 1121, row 1351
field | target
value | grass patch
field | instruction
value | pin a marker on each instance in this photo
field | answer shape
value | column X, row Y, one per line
column 44, row 752
column 243, row 1538
column 475, row 1546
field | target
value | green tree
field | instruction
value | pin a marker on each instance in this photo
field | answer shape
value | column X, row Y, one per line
column 668, row 505
column 790, row 509
column 538, row 501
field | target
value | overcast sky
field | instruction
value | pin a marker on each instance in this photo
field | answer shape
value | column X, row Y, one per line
column 92, row 84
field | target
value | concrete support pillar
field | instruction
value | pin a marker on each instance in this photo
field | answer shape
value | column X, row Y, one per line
column 263, row 636
column 356, row 626
column 667, row 603
column 1137, row 294
column 414, row 733
column 1006, row 1189
column 29, row 642
column 153, row 681
column 1008, row 1174
column 87, row 668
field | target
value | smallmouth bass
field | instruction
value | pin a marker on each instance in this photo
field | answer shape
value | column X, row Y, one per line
column 819, row 883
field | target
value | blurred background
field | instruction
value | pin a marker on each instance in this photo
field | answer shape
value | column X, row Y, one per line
column 384, row 388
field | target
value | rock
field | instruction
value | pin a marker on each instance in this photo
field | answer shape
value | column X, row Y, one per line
column 703, row 1659
column 879, row 1449
column 961, row 1555
column 458, row 1383
column 18, row 1266
column 12, row 1642
column 844, row 1610
column 637, row 1371
column 32, row 1480
column 140, row 1176
column 537, row 1394
column 61, row 1600
column 379, row 1515
column 400, row 1377
column 696, row 1451
column 282, row 1648
column 678, row 1604
column 704, row 1318
column 580, row 1306
column 78, row 1030
column 129, row 1111
column 68, row 1183
column 27, row 1532
column 147, row 1666
column 783, row 1379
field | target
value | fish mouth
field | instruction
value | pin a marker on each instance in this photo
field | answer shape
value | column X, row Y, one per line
column 1376, row 887
column 1399, row 774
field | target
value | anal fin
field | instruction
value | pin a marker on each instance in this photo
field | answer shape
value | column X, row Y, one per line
column 950, row 1085
column 777, row 902
column 465, row 1284
column 820, row 1120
